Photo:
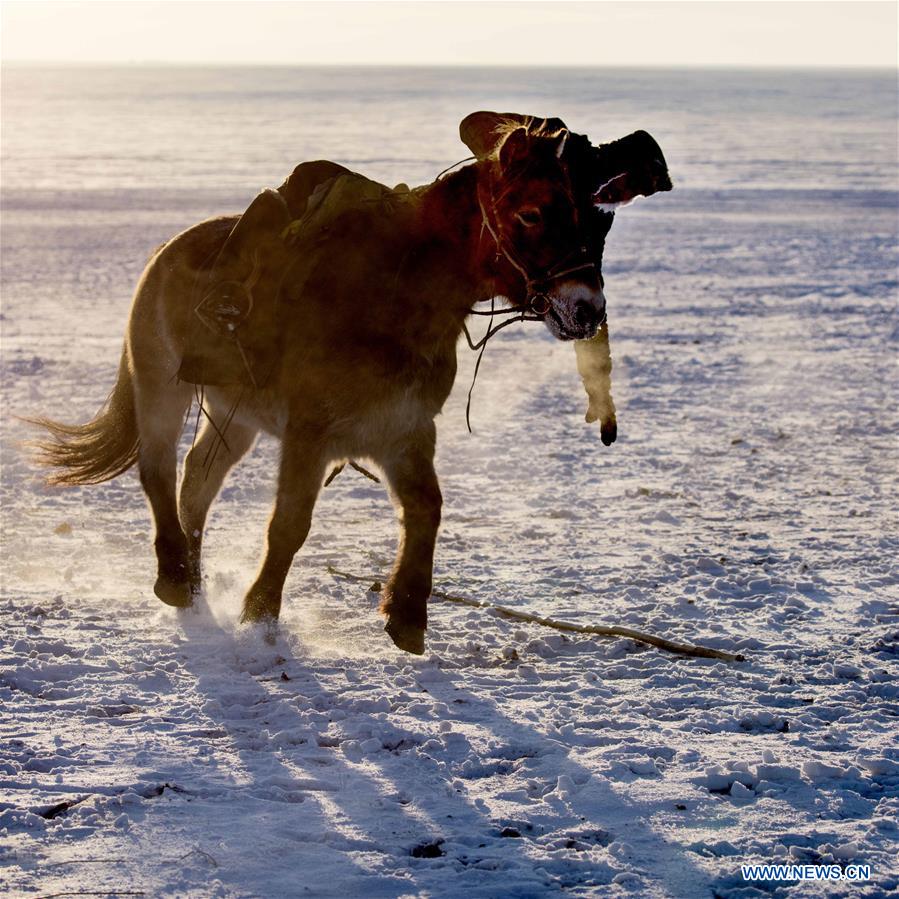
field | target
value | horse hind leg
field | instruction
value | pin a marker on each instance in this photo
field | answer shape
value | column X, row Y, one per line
column 210, row 459
column 161, row 410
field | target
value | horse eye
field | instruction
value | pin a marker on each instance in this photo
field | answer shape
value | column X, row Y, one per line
column 529, row 217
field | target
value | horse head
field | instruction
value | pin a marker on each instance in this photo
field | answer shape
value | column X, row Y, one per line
column 528, row 208
column 548, row 196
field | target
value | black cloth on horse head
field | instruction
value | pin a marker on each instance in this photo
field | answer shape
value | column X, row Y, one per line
column 637, row 155
column 609, row 173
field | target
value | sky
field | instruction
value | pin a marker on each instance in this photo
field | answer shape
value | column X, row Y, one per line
column 792, row 34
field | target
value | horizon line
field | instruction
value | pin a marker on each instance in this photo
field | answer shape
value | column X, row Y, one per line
column 156, row 63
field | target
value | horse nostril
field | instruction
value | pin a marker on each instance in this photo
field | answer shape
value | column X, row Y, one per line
column 585, row 315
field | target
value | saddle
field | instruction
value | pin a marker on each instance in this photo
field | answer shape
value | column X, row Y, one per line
column 267, row 261
column 235, row 334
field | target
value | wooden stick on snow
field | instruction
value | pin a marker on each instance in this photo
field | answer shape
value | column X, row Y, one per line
column 684, row 649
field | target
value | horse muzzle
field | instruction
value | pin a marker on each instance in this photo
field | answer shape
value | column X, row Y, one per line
column 572, row 310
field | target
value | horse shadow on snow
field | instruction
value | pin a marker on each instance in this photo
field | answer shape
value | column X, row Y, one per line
column 369, row 788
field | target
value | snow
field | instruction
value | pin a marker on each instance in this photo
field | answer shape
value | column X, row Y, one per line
column 748, row 504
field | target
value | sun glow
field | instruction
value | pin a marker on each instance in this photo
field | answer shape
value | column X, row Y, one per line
column 785, row 34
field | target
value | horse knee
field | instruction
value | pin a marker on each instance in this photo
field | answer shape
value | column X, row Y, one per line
column 422, row 509
column 288, row 529
column 191, row 500
column 432, row 505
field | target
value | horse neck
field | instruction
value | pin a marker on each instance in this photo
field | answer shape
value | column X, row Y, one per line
column 460, row 248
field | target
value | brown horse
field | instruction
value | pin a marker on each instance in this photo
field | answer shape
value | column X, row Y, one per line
column 366, row 357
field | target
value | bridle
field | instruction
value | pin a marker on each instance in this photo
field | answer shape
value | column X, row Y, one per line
column 537, row 284
column 537, row 304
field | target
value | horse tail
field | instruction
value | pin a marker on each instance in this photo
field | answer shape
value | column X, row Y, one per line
column 100, row 449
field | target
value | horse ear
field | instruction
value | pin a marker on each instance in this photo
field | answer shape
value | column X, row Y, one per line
column 633, row 166
column 514, row 149
column 482, row 132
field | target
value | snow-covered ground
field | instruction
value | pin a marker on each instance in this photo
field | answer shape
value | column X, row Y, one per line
column 748, row 504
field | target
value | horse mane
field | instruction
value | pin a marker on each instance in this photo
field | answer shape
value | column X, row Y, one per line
column 534, row 127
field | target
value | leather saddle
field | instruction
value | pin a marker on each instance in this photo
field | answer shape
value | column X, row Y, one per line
column 235, row 334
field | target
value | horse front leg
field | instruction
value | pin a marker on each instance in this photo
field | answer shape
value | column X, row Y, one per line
column 416, row 493
column 299, row 481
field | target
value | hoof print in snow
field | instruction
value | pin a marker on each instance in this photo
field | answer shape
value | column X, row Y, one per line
column 428, row 850
column 152, row 792
column 60, row 808
column 581, row 841
column 764, row 722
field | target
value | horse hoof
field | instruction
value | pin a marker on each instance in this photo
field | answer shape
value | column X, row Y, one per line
column 267, row 628
column 264, row 621
column 266, row 625
column 173, row 593
column 608, row 432
column 259, row 610
column 270, row 631
column 407, row 637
